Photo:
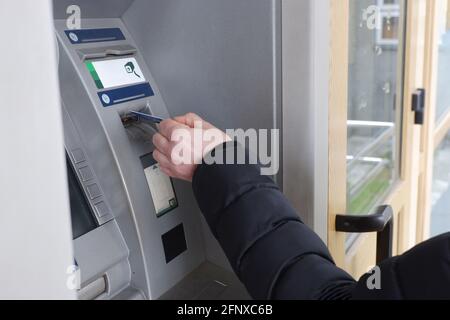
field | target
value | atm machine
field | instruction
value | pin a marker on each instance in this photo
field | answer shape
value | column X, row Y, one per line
column 137, row 233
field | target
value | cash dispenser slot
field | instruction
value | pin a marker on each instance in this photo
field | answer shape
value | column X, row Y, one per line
column 103, row 52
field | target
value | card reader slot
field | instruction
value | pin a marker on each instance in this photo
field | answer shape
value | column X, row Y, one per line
column 137, row 129
column 103, row 52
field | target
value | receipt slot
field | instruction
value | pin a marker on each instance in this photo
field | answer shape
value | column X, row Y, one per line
column 160, row 185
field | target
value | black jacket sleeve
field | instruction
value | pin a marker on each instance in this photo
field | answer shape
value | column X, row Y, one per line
column 420, row 273
column 273, row 253
column 276, row 256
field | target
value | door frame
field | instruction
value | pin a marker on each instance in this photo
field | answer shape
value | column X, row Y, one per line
column 360, row 257
column 305, row 79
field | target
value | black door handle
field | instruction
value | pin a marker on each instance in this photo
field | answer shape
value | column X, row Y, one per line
column 418, row 106
column 381, row 221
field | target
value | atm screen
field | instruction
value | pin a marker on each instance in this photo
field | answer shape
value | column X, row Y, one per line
column 161, row 188
column 116, row 72
column 82, row 217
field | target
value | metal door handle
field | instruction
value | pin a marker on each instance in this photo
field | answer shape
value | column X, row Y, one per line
column 381, row 221
column 418, row 106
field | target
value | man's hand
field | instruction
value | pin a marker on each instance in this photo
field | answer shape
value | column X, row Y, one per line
column 182, row 143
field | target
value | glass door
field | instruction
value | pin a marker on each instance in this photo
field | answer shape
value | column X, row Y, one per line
column 375, row 91
column 440, row 189
column 380, row 50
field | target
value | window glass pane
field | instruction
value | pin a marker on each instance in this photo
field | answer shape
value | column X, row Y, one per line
column 440, row 215
column 374, row 101
column 443, row 92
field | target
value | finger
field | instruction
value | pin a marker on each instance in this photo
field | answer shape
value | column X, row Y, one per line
column 167, row 127
column 162, row 159
column 193, row 120
column 180, row 119
column 167, row 171
column 161, row 143
column 188, row 119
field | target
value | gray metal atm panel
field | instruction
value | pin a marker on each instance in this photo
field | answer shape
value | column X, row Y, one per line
column 120, row 172
column 92, row 8
column 218, row 58
column 101, row 251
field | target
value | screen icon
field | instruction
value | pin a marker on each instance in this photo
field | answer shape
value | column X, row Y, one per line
column 129, row 67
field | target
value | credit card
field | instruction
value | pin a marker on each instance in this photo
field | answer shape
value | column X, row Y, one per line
column 147, row 117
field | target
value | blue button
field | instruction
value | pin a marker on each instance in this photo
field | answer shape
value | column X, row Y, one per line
column 73, row 37
column 105, row 98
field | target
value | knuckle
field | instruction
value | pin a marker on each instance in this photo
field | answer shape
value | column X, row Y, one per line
column 164, row 126
column 159, row 143
column 171, row 146
column 155, row 138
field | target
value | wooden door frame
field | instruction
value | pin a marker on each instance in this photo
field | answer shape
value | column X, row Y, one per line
column 403, row 196
column 337, row 125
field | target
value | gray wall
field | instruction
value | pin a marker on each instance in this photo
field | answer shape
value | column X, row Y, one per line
column 92, row 8
column 217, row 58
column 35, row 235
column 212, row 57
column 306, row 55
